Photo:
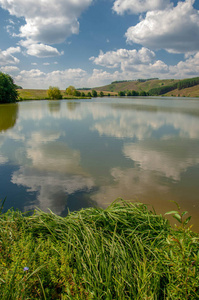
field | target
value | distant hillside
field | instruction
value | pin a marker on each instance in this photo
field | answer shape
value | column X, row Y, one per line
column 165, row 87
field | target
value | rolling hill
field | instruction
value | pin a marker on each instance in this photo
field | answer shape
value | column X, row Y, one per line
column 149, row 84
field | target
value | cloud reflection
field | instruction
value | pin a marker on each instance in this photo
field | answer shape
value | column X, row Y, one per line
column 52, row 188
column 169, row 158
column 132, row 184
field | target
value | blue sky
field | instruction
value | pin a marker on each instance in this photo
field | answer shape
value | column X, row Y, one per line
column 89, row 43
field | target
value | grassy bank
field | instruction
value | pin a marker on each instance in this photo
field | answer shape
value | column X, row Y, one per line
column 34, row 94
column 123, row 252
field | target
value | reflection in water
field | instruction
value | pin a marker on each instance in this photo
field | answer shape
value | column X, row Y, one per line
column 72, row 105
column 52, row 188
column 8, row 116
column 81, row 153
column 54, row 105
column 166, row 158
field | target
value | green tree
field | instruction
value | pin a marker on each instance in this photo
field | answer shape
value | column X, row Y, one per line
column 83, row 94
column 101, row 94
column 70, row 90
column 54, row 92
column 94, row 93
column 143, row 93
column 89, row 94
column 121, row 93
column 76, row 93
column 8, row 90
column 135, row 93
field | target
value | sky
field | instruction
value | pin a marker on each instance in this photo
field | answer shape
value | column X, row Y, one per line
column 90, row 43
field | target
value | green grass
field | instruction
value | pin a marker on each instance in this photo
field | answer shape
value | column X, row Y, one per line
column 123, row 252
column 34, row 94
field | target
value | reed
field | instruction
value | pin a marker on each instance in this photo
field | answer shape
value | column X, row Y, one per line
column 123, row 252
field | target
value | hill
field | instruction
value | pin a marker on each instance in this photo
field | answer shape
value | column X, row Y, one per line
column 178, row 87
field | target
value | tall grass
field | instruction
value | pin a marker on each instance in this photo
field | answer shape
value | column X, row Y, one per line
column 123, row 252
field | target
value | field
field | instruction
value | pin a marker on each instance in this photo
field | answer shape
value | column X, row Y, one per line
column 123, row 252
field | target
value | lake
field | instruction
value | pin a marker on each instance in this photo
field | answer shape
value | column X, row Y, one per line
column 67, row 155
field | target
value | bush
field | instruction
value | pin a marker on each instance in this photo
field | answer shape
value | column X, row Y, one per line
column 121, row 93
column 54, row 93
column 94, row 93
column 8, row 90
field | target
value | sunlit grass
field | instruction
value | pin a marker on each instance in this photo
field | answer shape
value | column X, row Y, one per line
column 123, row 252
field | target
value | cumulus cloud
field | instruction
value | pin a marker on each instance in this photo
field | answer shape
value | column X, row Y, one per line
column 138, row 6
column 189, row 67
column 9, row 69
column 47, row 22
column 41, row 50
column 100, row 77
column 114, row 59
column 168, row 29
column 32, row 73
column 6, row 56
column 35, row 77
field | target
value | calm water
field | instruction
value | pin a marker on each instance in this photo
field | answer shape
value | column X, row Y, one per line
column 67, row 155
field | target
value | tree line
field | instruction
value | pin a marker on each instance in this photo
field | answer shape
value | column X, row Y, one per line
column 55, row 93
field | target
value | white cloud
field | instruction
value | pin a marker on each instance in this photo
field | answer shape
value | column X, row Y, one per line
column 32, row 73
column 100, row 77
column 136, row 64
column 175, row 29
column 46, row 22
column 62, row 79
column 114, row 59
column 9, row 69
column 187, row 68
column 6, row 56
column 41, row 50
column 138, row 6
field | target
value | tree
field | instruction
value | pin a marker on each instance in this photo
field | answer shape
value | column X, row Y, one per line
column 121, row 93
column 54, row 92
column 143, row 93
column 135, row 93
column 8, row 90
column 70, row 90
column 94, row 93
column 101, row 94
column 76, row 93
column 89, row 94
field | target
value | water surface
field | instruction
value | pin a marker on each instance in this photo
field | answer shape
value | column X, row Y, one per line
column 62, row 155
